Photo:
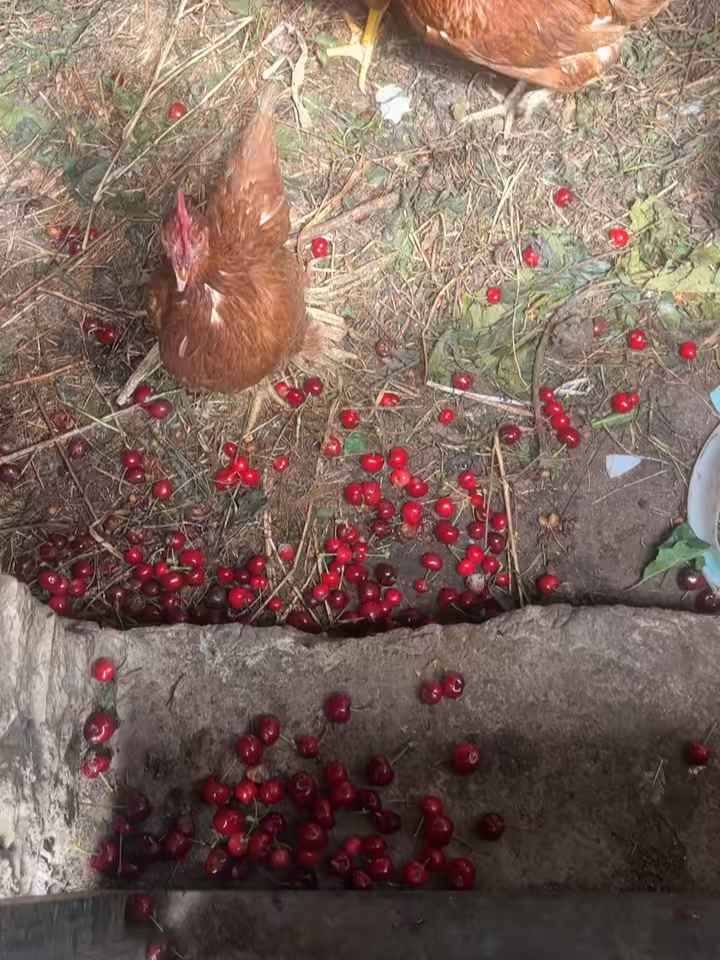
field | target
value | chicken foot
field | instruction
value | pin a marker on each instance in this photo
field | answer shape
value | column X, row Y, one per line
column 362, row 44
column 516, row 102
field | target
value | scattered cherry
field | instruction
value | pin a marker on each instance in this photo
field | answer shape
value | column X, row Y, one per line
column 461, row 874
column 99, row 728
column 349, row 419
column 494, row 294
column 465, row 758
column 687, row 350
column 690, row 579
column 438, row 830
column 103, row 670
column 510, row 434
column 563, row 197
column 319, row 248
column 698, row 753
column 414, row 874
column 176, row 111
column 249, row 749
column 637, row 340
column 531, row 256
column 463, row 380
column 547, row 583
column 313, row 386
column 619, row 237
column 491, row 827
column 163, row 489
column 453, row 685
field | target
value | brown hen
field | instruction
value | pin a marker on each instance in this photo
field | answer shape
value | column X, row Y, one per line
column 554, row 43
column 228, row 298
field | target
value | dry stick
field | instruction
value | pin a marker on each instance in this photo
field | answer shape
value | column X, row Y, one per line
column 293, row 568
column 515, row 405
column 42, row 376
column 330, row 205
column 386, row 202
column 497, row 450
column 555, row 318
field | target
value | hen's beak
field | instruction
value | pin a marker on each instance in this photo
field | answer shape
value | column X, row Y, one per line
column 181, row 276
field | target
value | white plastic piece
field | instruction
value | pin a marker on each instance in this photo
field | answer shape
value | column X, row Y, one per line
column 704, row 504
column 618, row 464
column 394, row 103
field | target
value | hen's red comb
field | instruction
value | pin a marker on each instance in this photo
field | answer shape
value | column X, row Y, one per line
column 182, row 212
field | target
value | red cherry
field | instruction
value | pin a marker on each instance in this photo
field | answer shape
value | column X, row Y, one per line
column 214, row 792
column 430, row 806
column 321, row 812
column 510, row 434
column 446, row 532
column 372, row 462
column 499, row 521
column 226, row 479
column 272, row 791
column 453, row 685
column 698, row 753
column 447, row 596
column 295, row 397
column 281, row 389
column 228, row 820
column 349, row 419
column 99, row 727
column 444, row 507
column 475, row 553
column 398, row 457
column 393, row 596
column 561, row 421
column 353, row 494
column 139, row 907
column 563, row 197
column 280, row 464
column 343, row 795
column 335, row 772
column 230, row 449
column 387, row 821
column 619, row 237
column 218, row 863
column 687, row 350
column 337, row 600
column 690, row 579
column 337, row 708
column 160, row 409
column 175, row 845
column 340, row 864
column 467, row 480
column 389, row 400
column 466, row 567
column 547, row 583
column 50, row 580
column 433, row 857
column 446, row 415
column 267, row 727
column 531, row 256
column 103, row 670
column 249, row 749
column 275, row 604
column 359, row 880
column 570, row 437
column 494, row 294
column 400, row 477
column 416, row 487
column 492, row 826
column 461, row 874
column 280, row 859
column 553, row 408
column 352, row 846
column 332, row 447
column 633, row 399
column 620, row 403
column 463, row 380
column 163, row 489
column 414, row 874
column 176, row 111
column 319, row 248
column 438, row 830
column 379, row 772
column 313, row 386
column 637, row 340
column 251, row 477
column 502, row 580
column 311, row 836
column 135, row 476
column 246, row 791
column 386, row 510
column 96, row 763
column 380, row 868
column 238, row 844
column 546, row 394
column 465, row 758
column 412, row 513
column 107, row 333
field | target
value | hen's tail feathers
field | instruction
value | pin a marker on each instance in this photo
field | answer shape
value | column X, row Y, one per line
column 322, row 343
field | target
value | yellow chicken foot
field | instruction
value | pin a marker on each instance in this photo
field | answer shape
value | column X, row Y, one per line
column 363, row 42
column 262, row 392
column 507, row 108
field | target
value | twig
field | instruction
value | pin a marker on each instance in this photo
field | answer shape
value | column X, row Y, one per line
column 555, row 318
column 292, row 569
column 497, row 450
column 515, row 405
column 387, row 201
column 41, row 376
column 147, row 365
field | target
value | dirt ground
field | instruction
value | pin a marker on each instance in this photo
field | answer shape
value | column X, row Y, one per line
column 453, row 205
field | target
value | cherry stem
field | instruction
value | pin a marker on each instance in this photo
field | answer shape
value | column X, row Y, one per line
column 399, row 756
column 156, row 922
column 464, row 843
column 419, row 827
column 108, row 785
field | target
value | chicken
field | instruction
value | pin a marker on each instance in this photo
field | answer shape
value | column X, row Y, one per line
column 228, row 298
column 553, row 43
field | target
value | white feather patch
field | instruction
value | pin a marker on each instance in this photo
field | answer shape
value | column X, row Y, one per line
column 182, row 349
column 216, row 299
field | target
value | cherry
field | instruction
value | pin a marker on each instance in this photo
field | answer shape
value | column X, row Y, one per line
column 267, row 726
column 352, row 846
column 531, row 256
column 275, row 604
column 398, row 457
column 431, row 692
column 246, row 791
column 295, row 397
column 446, row 415
column 416, row 487
column 420, row 585
column 387, row 821
column 430, row 806
column 301, row 789
column 157, row 951
column 312, row 836
column 99, row 727
column 444, row 507
column 322, row 812
column 446, row 532
column 356, row 572
column 463, row 380
column 461, row 874
column 563, row 197
column 240, row 597
column 698, row 753
column 259, row 846
column 553, row 408
column 176, row 845
column 135, row 476
column 50, row 580
column 393, row 596
column 230, row 449
column 319, row 248
column 467, row 480
column 433, row 857
column 439, row 830
column 466, row 567
column 547, row 583
column 272, row 791
column 228, row 820
column 194, row 578
column 453, row 685
column 280, row 859
column 561, row 421
column 400, row 477
column 353, row 494
column 280, row 464
column 412, row 514
column 465, row 758
column 637, row 339
column 106, row 856
column 103, row 670
column 502, row 580
column 690, row 579
column 371, row 493
column 447, row 595
column 494, row 294
column 148, row 846
column 510, row 434
column 348, row 534
column 620, row 403
column 707, row 601
column 337, row 707
column 249, row 749
column 281, row 389
column 619, row 237
column 379, row 771
column 337, row 600
column 349, row 419
column 313, row 386
column 389, row 399
column 380, row 867
column 414, row 874
column 359, row 880
column 59, row 603
column 496, row 542
column 343, row 794
column 82, row 570
column 240, row 466
column 215, row 792
column 332, row 447
column 176, row 111
column 96, row 763
column 163, row 489
column 217, row 862
column 142, row 394
column 492, row 826
column 273, row 824
column 115, row 594
column 339, row 863
column 139, row 907
column 386, row 510
column 335, row 772
column 687, row 350
column 474, row 553
column 570, row 437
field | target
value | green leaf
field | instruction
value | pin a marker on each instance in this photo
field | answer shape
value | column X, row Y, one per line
column 356, row 443
column 21, row 122
column 680, row 547
column 325, row 513
column 613, row 420
column 240, row 7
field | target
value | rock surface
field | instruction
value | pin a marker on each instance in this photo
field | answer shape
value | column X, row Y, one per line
column 581, row 715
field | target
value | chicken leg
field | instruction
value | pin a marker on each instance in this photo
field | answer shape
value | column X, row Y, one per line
column 518, row 101
column 362, row 45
